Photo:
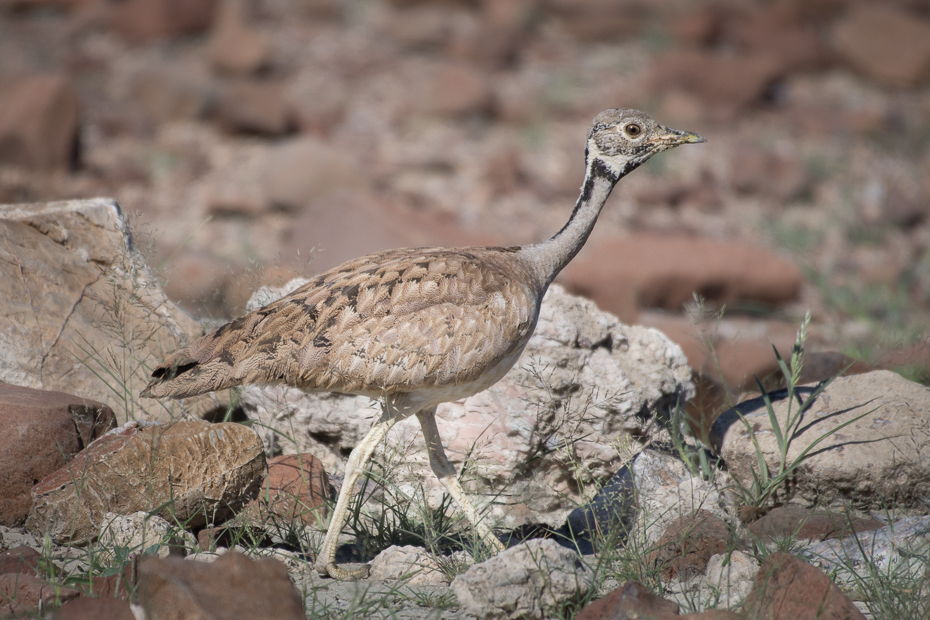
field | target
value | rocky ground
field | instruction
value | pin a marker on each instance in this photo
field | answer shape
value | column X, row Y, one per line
column 251, row 141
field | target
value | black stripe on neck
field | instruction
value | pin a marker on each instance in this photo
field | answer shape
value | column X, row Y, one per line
column 599, row 170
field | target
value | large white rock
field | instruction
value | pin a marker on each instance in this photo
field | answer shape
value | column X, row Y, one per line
column 585, row 385
column 81, row 313
column 882, row 458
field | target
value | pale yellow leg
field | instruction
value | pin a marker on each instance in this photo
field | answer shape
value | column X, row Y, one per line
column 445, row 471
column 326, row 560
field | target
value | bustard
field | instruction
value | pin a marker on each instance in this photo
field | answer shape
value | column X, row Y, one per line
column 412, row 327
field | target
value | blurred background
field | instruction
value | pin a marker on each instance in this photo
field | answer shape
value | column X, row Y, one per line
column 254, row 140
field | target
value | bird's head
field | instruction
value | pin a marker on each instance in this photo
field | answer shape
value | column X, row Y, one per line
column 621, row 140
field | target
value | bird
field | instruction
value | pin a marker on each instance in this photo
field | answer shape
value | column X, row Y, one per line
column 412, row 328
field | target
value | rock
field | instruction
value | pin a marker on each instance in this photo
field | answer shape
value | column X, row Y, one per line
column 254, row 107
column 233, row 586
column 777, row 33
column 868, row 462
column 192, row 472
column 885, row 42
column 793, row 521
column 787, row 588
column 298, row 171
column 630, row 601
column 39, row 122
column 295, row 490
column 116, row 586
column 95, row 609
column 726, row 83
column 770, row 174
column 234, row 46
column 589, row 20
column 665, row 271
column 23, row 560
column 43, row 431
column 585, row 382
column 23, row 593
column 455, row 89
column 732, row 576
column 139, row 532
column 211, row 539
column 82, row 313
column 172, row 92
column 688, row 543
column 530, row 581
column 415, row 565
column 666, row 492
column 898, row 548
column 141, row 21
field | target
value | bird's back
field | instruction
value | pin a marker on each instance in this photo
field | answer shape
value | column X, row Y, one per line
column 426, row 319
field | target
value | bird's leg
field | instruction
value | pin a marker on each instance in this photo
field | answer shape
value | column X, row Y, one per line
column 326, row 560
column 445, row 471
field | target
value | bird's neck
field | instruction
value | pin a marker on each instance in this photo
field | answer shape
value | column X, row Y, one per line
column 550, row 257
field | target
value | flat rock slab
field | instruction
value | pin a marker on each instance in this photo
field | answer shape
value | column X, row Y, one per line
column 883, row 457
column 42, row 431
column 191, row 472
column 81, row 312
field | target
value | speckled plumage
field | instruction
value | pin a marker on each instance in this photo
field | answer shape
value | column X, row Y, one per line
column 427, row 319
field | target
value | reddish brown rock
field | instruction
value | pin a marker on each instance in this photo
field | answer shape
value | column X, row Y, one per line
column 24, row 560
column 632, row 600
column 793, row 521
column 19, row 593
column 141, row 21
column 39, row 122
column 95, row 609
column 688, row 543
column 170, row 93
column 234, row 46
column 597, row 19
column 727, row 83
column 296, row 489
column 665, row 272
column 776, row 32
column 42, row 431
column 254, row 107
column 298, row 171
column 456, row 89
column 195, row 471
column 771, row 174
column 787, row 588
column 233, row 586
column 885, row 42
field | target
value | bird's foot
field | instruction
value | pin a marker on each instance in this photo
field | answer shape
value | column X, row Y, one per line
column 340, row 574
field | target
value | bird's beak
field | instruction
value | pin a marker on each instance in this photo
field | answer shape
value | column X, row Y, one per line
column 673, row 137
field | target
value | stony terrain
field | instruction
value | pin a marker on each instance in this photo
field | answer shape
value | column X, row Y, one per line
column 250, row 141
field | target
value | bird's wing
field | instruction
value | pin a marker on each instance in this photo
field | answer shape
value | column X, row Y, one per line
column 391, row 322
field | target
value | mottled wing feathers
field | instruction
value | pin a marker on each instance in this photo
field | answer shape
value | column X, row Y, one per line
column 391, row 322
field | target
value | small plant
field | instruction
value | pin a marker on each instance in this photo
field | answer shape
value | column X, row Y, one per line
column 766, row 482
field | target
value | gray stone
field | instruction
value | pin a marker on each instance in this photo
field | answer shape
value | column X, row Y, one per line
column 530, row 581
column 732, row 581
column 899, row 548
column 415, row 565
column 138, row 533
column 81, row 311
column 883, row 457
column 585, row 386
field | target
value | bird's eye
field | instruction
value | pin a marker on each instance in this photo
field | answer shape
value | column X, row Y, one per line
column 633, row 130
